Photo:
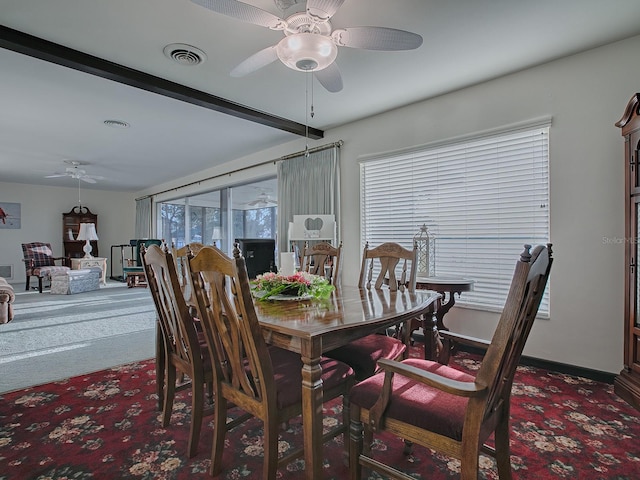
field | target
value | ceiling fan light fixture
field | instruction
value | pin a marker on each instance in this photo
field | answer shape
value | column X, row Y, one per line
column 307, row 52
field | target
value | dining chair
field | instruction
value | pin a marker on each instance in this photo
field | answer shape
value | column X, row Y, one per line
column 442, row 408
column 180, row 259
column 264, row 381
column 322, row 259
column 395, row 269
column 183, row 350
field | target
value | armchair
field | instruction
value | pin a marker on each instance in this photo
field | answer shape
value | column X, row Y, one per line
column 446, row 410
column 39, row 262
column 132, row 268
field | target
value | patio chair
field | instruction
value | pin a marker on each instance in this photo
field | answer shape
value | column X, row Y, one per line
column 132, row 268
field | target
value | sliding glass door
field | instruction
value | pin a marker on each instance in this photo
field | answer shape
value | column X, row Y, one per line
column 221, row 216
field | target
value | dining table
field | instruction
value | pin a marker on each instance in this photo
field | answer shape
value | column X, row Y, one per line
column 312, row 327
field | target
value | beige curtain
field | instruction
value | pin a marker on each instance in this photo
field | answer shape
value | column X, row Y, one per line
column 143, row 218
column 307, row 185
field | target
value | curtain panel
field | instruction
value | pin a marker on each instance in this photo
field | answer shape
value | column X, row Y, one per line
column 308, row 185
column 143, row 217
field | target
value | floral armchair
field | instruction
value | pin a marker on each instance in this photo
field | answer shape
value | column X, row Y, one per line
column 39, row 262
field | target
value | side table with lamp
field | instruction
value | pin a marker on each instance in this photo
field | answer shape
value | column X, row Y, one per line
column 88, row 234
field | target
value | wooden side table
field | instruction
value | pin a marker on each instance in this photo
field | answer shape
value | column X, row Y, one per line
column 80, row 263
column 447, row 287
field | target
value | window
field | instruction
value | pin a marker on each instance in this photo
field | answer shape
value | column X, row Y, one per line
column 482, row 198
column 204, row 217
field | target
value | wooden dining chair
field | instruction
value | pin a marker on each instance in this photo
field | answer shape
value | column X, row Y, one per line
column 395, row 269
column 264, row 381
column 180, row 259
column 322, row 259
column 182, row 349
column 443, row 409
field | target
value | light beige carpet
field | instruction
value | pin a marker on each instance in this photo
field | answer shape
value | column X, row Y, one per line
column 57, row 336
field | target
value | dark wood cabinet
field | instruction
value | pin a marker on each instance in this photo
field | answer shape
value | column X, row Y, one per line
column 627, row 384
column 71, row 226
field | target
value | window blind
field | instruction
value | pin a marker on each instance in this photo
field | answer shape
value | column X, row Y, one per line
column 481, row 198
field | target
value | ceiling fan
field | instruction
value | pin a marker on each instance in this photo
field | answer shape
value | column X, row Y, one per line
column 310, row 43
column 263, row 200
column 75, row 172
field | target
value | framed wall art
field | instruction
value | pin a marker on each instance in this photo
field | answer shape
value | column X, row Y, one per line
column 9, row 215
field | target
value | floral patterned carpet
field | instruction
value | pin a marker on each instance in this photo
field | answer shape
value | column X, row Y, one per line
column 105, row 426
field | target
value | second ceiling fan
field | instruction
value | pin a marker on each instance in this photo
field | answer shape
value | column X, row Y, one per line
column 310, row 43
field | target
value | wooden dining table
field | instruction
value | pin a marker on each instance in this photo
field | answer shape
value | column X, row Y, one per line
column 313, row 327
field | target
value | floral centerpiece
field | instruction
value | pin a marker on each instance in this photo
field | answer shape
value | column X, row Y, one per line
column 300, row 284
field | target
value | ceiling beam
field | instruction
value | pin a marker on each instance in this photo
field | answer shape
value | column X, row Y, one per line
column 36, row 47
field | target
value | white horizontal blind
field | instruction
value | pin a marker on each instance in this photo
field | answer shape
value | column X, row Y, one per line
column 482, row 199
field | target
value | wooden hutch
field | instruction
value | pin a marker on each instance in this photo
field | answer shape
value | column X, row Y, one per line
column 627, row 384
column 71, row 226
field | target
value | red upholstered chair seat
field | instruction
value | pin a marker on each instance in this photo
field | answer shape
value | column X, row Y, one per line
column 363, row 354
column 287, row 373
column 411, row 399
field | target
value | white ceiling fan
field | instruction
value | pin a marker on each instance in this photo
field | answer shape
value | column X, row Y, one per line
column 310, row 43
column 263, row 200
column 75, row 172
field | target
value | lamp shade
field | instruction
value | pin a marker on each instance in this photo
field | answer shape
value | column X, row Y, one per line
column 307, row 52
column 87, row 233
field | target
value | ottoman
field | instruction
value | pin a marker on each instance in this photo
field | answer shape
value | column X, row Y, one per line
column 76, row 281
column 7, row 296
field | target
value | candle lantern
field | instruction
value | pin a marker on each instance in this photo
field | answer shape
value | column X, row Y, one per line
column 426, row 246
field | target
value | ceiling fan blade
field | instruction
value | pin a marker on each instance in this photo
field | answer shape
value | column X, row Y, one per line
column 376, row 38
column 56, row 175
column 323, row 10
column 330, row 78
column 244, row 12
column 88, row 179
column 256, row 61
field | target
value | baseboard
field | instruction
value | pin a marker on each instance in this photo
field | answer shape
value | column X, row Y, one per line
column 596, row 375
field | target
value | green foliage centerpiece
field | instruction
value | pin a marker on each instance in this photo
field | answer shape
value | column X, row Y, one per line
column 300, row 284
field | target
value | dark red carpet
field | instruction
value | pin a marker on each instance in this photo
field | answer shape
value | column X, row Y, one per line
column 105, row 426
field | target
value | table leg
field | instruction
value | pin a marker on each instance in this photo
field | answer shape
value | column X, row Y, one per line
column 312, row 408
column 432, row 342
column 160, row 366
column 445, row 307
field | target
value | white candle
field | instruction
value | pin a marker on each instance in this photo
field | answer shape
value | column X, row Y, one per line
column 287, row 263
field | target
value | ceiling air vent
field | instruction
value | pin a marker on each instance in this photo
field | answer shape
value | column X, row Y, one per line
column 185, row 54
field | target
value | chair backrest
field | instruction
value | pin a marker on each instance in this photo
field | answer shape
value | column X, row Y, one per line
column 146, row 243
column 178, row 328
column 322, row 259
column 520, row 309
column 225, row 306
column 180, row 257
column 395, row 266
column 38, row 254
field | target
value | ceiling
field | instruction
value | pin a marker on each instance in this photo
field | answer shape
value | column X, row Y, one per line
column 51, row 113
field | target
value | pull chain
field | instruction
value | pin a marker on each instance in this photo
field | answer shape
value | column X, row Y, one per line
column 306, row 115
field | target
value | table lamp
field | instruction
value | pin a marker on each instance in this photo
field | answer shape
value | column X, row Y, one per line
column 88, row 233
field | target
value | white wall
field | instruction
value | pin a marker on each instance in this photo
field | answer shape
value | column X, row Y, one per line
column 585, row 94
column 41, row 220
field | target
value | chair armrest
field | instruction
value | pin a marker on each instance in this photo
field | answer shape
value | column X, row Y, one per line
column 391, row 367
column 472, row 341
column 455, row 387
